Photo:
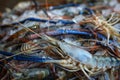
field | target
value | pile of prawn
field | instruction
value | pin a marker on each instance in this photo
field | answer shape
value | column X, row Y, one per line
column 73, row 41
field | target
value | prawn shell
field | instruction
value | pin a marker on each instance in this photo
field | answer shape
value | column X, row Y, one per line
column 76, row 53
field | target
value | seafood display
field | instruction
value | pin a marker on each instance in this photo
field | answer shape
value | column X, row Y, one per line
column 77, row 40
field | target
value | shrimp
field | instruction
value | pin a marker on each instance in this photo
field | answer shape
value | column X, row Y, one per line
column 77, row 58
column 99, row 22
column 29, row 47
column 80, row 59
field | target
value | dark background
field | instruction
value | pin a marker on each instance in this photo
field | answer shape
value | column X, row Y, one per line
column 11, row 3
